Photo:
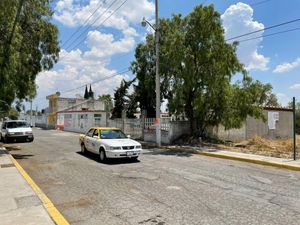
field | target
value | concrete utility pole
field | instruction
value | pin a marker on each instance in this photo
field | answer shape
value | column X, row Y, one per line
column 157, row 79
column 30, row 112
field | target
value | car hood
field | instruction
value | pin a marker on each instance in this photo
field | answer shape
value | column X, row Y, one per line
column 19, row 129
column 119, row 142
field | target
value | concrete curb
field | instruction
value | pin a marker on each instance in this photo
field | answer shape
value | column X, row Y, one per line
column 237, row 158
column 48, row 205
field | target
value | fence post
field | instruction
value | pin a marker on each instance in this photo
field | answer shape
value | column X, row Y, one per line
column 142, row 123
column 123, row 120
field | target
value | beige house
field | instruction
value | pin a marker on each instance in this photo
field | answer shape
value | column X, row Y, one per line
column 75, row 114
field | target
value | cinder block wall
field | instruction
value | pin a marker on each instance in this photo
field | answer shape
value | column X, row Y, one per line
column 252, row 127
column 283, row 128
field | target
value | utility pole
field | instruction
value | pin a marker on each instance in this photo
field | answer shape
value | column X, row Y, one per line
column 157, row 79
column 294, row 127
column 30, row 112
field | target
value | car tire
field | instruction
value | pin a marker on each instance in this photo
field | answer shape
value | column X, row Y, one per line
column 83, row 149
column 102, row 156
column 134, row 159
column 4, row 139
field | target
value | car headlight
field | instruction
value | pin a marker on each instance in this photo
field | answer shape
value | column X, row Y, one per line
column 115, row 148
column 28, row 132
column 138, row 146
column 10, row 133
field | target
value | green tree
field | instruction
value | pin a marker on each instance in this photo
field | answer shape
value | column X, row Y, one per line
column 297, row 107
column 196, row 68
column 13, row 114
column 121, row 98
column 144, row 69
column 86, row 93
column 28, row 45
column 107, row 99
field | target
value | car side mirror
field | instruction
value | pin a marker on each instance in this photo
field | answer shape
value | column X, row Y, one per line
column 128, row 136
column 31, row 126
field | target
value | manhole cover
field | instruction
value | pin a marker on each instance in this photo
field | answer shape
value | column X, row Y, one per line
column 7, row 165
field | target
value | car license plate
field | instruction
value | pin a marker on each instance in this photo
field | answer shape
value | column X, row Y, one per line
column 129, row 153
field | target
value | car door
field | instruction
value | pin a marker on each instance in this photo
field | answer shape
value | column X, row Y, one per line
column 94, row 141
column 88, row 139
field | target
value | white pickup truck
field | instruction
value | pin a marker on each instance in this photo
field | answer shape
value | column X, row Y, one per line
column 109, row 142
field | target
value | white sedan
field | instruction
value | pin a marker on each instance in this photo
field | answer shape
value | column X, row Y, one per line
column 109, row 142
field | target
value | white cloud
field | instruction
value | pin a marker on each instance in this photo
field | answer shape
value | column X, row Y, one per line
column 295, row 86
column 286, row 67
column 77, row 68
column 72, row 13
column 237, row 20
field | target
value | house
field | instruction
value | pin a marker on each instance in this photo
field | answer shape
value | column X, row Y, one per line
column 75, row 114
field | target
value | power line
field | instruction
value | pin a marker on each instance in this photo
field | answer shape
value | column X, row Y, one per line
column 103, row 22
column 259, row 3
column 97, row 81
column 94, row 82
column 268, row 35
column 99, row 17
column 84, row 23
column 266, row 28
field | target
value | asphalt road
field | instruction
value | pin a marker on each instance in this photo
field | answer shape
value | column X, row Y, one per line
column 163, row 188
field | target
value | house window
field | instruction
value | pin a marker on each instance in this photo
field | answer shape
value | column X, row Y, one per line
column 97, row 118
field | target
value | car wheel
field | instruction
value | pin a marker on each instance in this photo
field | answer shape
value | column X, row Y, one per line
column 83, row 149
column 134, row 159
column 4, row 139
column 102, row 156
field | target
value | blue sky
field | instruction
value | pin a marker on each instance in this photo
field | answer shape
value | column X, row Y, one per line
column 107, row 46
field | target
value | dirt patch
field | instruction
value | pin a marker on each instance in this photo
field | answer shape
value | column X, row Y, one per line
column 260, row 146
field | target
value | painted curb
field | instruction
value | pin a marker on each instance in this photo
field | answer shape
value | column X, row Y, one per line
column 236, row 158
column 49, row 206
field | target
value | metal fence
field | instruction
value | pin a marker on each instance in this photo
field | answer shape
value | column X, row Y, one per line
column 134, row 127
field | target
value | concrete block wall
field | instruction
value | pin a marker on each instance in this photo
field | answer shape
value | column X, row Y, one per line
column 283, row 128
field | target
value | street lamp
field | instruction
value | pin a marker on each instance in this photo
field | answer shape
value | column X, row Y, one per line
column 157, row 79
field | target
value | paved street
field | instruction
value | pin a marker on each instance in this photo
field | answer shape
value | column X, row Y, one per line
column 163, row 188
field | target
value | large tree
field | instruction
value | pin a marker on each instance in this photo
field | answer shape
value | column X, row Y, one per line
column 121, row 100
column 107, row 99
column 28, row 45
column 196, row 68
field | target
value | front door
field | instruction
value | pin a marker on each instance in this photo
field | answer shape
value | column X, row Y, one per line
column 94, row 141
column 88, row 140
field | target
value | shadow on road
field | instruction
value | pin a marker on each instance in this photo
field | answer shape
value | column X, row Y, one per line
column 21, row 156
column 12, row 147
column 95, row 157
column 177, row 153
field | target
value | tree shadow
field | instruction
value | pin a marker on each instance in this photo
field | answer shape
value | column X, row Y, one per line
column 21, row 156
column 12, row 148
column 111, row 161
column 175, row 152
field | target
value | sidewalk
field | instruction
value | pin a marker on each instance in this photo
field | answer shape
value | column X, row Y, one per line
column 251, row 158
column 19, row 204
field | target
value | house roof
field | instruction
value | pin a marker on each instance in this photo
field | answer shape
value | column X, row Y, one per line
column 272, row 108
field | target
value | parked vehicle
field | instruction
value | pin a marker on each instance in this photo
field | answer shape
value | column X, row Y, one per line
column 109, row 142
column 16, row 130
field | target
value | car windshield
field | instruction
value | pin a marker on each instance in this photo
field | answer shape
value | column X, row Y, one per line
column 112, row 134
column 16, row 124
